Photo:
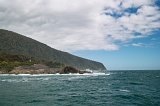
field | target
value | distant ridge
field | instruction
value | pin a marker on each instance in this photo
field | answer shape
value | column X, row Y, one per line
column 14, row 43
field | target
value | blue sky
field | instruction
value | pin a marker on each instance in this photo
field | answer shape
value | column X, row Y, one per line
column 139, row 54
column 122, row 34
column 145, row 57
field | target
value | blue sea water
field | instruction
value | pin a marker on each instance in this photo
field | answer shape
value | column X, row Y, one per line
column 120, row 88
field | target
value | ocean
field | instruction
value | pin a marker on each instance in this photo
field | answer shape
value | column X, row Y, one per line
column 117, row 88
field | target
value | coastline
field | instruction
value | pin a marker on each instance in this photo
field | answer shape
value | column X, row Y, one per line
column 43, row 69
column 70, row 74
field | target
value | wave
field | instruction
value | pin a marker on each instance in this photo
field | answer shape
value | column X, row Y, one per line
column 46, row 77
column 26, row 79
column 70, row 74
column 124, row 90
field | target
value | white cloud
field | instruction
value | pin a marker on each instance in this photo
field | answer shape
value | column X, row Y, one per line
column 80, row 24
column 138, row 44
column 147, row 45
column 136, row 3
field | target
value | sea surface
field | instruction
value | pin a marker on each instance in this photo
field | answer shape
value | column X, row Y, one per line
column 120, row 88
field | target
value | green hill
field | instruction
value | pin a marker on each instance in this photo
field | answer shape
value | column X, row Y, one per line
column 9, row 61
column 14, row 43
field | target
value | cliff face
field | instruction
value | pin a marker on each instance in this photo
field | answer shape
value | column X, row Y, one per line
column 14, row 43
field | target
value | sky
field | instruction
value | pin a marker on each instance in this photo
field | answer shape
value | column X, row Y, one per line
column 122, row 34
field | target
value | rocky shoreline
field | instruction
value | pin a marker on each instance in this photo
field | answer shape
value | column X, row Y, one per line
column 43, row 69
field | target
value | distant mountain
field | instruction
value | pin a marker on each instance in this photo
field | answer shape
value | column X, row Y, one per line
column 14, row 43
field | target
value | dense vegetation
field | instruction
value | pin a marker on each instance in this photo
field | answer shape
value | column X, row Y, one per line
column 17, row 44
column 8, row 62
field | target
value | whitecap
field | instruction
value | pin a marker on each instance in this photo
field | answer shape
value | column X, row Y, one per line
column 78, row 77
column 85, row 74
column 14, row 80
column 124, row 90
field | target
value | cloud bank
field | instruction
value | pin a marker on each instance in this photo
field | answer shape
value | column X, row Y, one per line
column 73, row 25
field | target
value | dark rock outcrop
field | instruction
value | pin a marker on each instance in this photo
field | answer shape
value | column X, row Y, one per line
column 69, row 69
column 82, row 72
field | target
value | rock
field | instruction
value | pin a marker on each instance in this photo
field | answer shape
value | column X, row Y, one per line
column 82, row 72
column 43, row 69
column 69, row 69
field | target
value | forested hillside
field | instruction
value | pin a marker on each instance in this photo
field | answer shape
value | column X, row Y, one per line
column 14, row 43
